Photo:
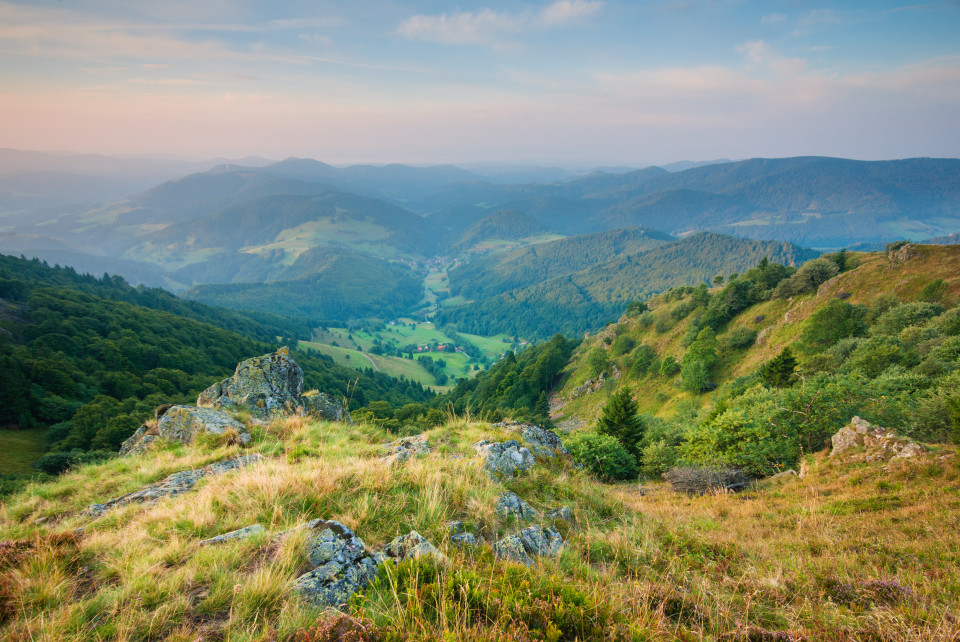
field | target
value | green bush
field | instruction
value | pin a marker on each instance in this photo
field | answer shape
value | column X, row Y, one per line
column 658, row 457
column 602, row 455
column 669, row 367
column 834, row 321
column 740, row 338
column 907, row 314
column 622, row 345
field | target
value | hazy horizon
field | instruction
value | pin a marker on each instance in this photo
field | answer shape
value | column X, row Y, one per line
column 568, row 83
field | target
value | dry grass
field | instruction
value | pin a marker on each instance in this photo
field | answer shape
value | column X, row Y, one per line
column 820, row 558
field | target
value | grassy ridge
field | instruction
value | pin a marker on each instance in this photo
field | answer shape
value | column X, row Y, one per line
column 840, row 554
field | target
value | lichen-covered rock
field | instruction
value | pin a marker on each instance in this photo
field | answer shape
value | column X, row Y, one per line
column 411, row 546
column 183, row 423
column 320, row 405
column 539, row 541
column 173, row 485
column 403, row 449
column 544, row 442
column 241, row 533
column 511, row 548
column 342, row 566
column 510, row 504
column 505, row 458
column 465, row 539
column 563, row 514
column 879, row 443
column 268, row 386
column 140, row 441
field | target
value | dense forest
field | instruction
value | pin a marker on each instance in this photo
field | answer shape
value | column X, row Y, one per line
column 90, row 358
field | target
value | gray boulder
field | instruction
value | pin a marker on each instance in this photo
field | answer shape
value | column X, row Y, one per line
column 183, row 424
column 543, row 442
column 541, row 541
column 268, row 386
column 342, row 566
column 505, row 458
column 510, row 504
column 241, row 533
column 411, row 546
column 173, row 485
column 320, row 405
column 563, row 514
column 533, row 541
column 140, row 441
column 511, row 549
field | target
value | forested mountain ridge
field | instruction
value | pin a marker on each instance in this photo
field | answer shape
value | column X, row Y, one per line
column 576, row 302
column 491, row 275
column 88, row 359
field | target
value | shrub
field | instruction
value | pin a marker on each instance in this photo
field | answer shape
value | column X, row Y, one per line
column 896, row 319
column 834, row 321
column 657, row 458
column 934, row 291
column 602, row 455
column 669, row 367
column 58, row 462
column 622, row 345
column 740, row 338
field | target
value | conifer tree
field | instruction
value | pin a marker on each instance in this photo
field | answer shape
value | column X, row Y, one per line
column 620, row 419
column 779, row 371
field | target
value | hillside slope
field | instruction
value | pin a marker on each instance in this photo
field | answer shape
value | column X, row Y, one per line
column 581, row 300
column 880, row 340
column 836, row 555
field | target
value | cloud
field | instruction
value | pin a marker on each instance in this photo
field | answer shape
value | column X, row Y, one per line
column 762, row 55
column 489, row 27
column 773, row 18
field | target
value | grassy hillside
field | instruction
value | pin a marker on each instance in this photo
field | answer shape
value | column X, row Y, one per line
column 841, row 554
column 878, row 340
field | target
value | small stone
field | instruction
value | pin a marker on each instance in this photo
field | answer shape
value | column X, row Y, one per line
column 411, row 546
column 465, row 539
column 242, row 533
column 563, row 514
column 401, row 450
column 343, row 566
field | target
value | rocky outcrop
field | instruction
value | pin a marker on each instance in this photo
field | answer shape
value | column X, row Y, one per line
column 509, row 504
column 411, row 546
column 543, row 442
column 268, row 387
column 879, row 443
column 589, row 386
column 241, row 533
column 341, row 566
column 173, row 485
column 403, row 449
column 504, row 459
column 320, row 405
column 533, row 541
column 182, row 424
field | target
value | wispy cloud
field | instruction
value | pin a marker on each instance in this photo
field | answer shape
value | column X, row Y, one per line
column 761, row 54
column 489, row 27
column 773, row 18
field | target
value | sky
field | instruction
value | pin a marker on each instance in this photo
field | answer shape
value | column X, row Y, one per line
column 560, row 82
